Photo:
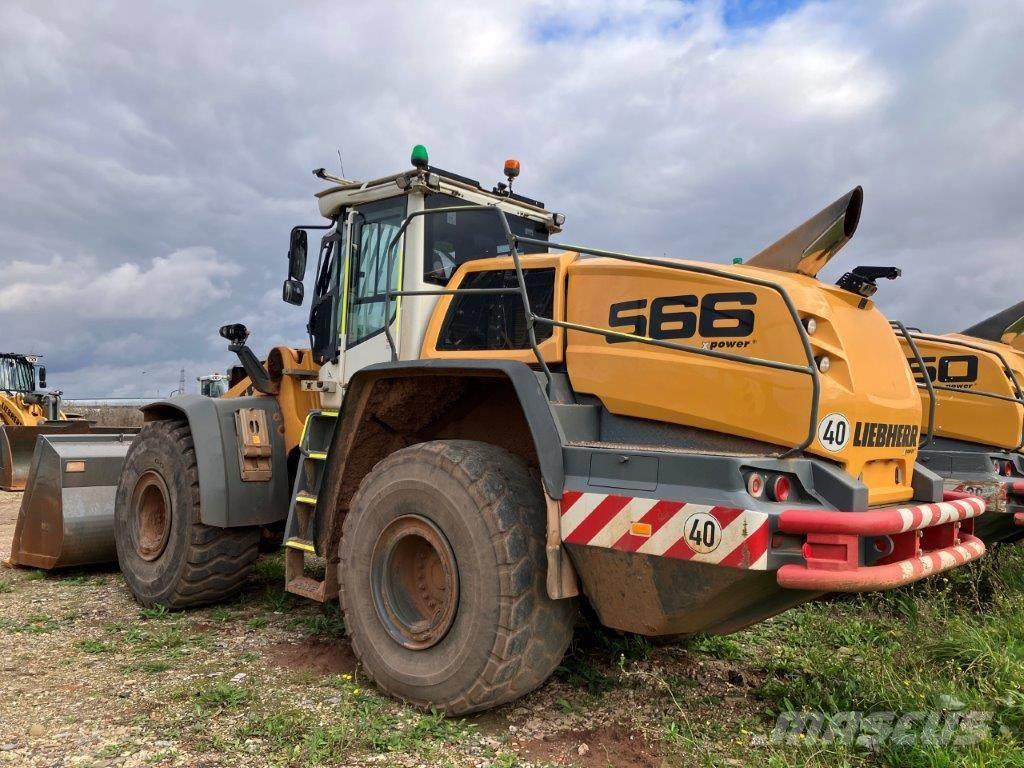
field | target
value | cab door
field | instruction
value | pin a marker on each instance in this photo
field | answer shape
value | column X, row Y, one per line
column 327, row 296
column 365, row 312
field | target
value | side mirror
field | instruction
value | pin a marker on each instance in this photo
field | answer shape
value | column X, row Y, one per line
column 297, row 255
column 293, row 292
column 42, row 377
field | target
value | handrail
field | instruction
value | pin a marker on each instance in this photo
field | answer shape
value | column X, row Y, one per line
column 1019, row 398
column 897, row 325
column 810, row 369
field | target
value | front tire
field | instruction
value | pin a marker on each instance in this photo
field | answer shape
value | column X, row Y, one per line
column 442, row 573
column 168, row 557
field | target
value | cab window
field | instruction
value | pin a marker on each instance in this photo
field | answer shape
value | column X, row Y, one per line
column 453, row 238
column 375, row 226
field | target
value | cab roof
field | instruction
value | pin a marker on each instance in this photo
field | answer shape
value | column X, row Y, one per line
column 430, row 179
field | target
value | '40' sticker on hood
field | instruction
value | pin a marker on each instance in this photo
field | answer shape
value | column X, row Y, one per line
column 834, row 432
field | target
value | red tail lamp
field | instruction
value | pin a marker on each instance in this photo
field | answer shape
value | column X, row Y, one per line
column 755, row 485
column 781, row 488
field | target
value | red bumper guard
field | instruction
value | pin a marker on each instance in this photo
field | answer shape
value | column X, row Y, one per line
column 1017, row 489
column 926, row 539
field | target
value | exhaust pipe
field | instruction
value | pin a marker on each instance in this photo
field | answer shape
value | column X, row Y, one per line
column 808, row 248
column 1005, row 326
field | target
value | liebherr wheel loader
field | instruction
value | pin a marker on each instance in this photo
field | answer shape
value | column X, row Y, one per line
column 67, row 513
column 506, row 426
column 26, row 412
column 972, row 388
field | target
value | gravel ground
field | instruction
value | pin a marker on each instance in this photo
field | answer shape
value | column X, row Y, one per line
column 89, row 679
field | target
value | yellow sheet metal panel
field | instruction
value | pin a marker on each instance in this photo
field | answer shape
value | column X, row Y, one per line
column 869, row 413
column 964, row 414
column 552, row 348
column 295, row 403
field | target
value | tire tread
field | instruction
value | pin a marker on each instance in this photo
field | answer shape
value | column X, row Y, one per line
column 219, row 560
column 533, row 631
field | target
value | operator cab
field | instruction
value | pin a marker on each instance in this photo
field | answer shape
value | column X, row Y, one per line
column 360, row 261
column 18, row 373
column 213, row 385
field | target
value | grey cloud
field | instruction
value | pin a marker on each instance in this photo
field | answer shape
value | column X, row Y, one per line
column 155, row 155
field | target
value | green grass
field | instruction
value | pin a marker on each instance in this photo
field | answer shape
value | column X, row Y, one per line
column 595, row 653
column 361, row 722
column 150, row 666
column 955, row 642
column 269, row 569
column 35, row 624
column 5, row 587
column 94, row 646
column 219, row 695
column 327, row 623
column 158, row 613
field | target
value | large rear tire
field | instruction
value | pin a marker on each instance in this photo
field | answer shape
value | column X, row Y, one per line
column 168, row 557
column 442, row 573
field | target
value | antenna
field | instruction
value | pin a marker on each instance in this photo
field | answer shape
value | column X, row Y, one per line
column 341, row 163
column 181, row 382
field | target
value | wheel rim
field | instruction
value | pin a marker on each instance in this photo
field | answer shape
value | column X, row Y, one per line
column 152, row 506
column 415, row 582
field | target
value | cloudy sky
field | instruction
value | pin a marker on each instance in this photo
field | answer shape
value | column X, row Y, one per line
column 153, row 156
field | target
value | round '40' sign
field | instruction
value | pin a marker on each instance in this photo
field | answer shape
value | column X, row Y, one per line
column 834, row 432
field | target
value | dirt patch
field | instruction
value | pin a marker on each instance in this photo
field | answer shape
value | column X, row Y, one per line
column 613, row 745
column 314, row 654
column 10, row 503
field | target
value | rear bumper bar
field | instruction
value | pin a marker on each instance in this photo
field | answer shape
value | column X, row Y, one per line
column 1017, row 489
column 916, row 541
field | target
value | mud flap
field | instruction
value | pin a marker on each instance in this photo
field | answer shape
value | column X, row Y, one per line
column 67, row 512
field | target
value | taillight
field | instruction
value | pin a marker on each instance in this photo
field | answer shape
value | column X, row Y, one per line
column 755, row 485
column 996, row 468
column 781, row 488
column 1007, row 469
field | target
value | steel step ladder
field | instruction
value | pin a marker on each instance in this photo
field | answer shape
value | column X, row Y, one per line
column 300, row 531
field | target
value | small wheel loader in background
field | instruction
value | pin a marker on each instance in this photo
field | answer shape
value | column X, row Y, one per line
column 67, row 513
column 213, row 385
column 504, row 426
column 26, row 412
column 972, row 389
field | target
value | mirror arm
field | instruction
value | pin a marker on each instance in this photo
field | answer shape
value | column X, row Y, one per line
column 254, row 369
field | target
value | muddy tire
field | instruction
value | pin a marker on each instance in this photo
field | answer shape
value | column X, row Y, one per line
column 442, row 573
column 168, row 557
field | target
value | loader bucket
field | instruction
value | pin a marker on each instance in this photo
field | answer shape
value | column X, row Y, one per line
column 67, row 512
column 17, row 445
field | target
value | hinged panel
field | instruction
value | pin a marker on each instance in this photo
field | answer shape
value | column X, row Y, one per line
column 254, row 445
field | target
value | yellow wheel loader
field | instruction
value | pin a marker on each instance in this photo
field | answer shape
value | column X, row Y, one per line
column 972, row 389
column 26, row 411
column 505, row 426
column 67, row 513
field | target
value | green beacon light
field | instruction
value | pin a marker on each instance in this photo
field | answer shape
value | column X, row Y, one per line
column 737, row 260
column 419, row 157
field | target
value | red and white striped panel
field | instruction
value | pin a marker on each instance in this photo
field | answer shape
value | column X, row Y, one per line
column 927, row 515
column 666, row 529
column 992, row 491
